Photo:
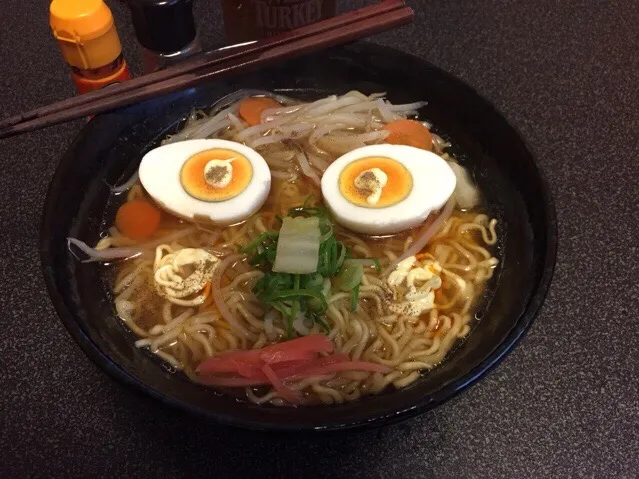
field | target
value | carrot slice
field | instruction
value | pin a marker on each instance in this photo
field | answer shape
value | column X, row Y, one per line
column 346, row 366
column 252, row 375
column 251, row 371
column 251, row 109
column 297, row 370
column 206, row 291
column 305, row 348
column 420, row 256
column 282, row 369
column 292, row 370
column 274, row 357
column 280, row 363
column 229, row 362
column 317, row 343
column 247, row 354
column 409, row 132
column 286, row 371
column 232, row 381
column 284, row 392
column 137, row 219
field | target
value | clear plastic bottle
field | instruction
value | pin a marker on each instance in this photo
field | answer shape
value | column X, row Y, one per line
column 89, row 42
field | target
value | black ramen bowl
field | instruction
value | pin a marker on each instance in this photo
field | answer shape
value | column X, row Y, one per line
column 109, row 148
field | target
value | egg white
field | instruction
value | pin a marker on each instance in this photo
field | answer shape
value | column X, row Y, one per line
column 160, row 176
column 433, row 183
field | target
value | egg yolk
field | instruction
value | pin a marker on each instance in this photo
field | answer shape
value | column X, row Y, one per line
column 216, row 175
column 398, row 185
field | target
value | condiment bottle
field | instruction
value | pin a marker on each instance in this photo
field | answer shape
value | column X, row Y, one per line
column 89, row 43
column 246, row 20
column 165, row 30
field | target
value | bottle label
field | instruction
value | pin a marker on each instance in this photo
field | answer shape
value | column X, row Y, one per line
column 282, row 15
column 262, row 18
column 85, row 85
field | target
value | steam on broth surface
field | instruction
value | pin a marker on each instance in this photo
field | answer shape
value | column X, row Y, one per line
column 377, row 312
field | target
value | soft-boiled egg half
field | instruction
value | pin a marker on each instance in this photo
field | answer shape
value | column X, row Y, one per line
column 385, row 189
column 214, row 181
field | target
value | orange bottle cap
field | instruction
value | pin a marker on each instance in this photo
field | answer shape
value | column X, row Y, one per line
column 85, row 32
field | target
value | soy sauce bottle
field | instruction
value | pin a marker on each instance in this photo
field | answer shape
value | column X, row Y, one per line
column 165, row 30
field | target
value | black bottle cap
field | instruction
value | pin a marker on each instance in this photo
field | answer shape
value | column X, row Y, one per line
column 164, row 26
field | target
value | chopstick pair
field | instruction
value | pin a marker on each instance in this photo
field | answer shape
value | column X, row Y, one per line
column 341, row 29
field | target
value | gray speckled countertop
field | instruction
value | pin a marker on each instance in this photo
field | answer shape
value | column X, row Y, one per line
column 563, row 404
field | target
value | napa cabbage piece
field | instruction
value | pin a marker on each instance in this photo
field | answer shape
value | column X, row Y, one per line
column 298, row 246
column 466, row 193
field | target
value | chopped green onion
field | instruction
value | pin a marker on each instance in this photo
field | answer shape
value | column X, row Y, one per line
column 292, row 287
column 365, row 262
column 306, row 211
column 282, row 308
column 314, row 281
column 307, row 201
column 342, row 255
column 327, row 234
column 289, row 327
column 350, row 275
column 324, row 287
column 259, row 240
column 296, row 287
column 354, row 298
column 294, row 293
column 322, row 323
column 378, row 267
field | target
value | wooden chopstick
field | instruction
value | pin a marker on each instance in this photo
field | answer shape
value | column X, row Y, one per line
column 336, row 36
column 204, row 61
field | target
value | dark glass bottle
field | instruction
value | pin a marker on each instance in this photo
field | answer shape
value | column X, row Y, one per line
column 246, row 20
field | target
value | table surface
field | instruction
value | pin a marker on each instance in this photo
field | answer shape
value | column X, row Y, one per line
column 563, row 404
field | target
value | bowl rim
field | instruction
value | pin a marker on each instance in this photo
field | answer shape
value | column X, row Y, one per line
column 450, row 390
